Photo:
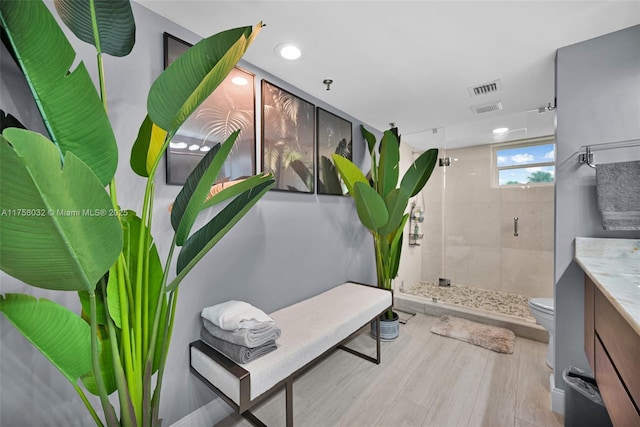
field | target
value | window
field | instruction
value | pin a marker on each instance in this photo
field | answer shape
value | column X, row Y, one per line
column 529, row 162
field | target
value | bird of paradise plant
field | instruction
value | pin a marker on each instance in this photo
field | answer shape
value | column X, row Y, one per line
column 62, row 227
column 381, row 202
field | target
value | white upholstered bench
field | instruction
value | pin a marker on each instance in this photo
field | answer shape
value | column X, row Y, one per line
column 311, row 329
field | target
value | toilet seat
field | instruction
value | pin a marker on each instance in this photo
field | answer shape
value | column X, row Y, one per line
column 542, row 310
column 542, row 304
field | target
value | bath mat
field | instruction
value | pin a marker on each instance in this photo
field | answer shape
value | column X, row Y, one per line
column 494, row 338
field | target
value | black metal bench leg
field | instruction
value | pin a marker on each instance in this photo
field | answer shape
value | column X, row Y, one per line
column 289, row 402
column 378, row 341
column 248, row 415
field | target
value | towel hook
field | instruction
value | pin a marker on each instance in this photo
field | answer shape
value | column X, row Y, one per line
column 586, row 157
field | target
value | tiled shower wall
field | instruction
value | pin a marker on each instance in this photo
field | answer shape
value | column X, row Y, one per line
column 469, row 233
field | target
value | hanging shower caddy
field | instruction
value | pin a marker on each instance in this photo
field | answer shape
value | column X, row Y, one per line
column 416, row 218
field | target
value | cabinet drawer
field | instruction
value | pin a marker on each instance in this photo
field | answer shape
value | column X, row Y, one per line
column 621, row 341
column 619, row 405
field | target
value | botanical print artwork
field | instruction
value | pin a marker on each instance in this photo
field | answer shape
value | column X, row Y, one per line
column 287, row 139
column 229, row 108
column 334, row 137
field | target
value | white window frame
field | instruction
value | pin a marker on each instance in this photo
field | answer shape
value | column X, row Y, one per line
column 517, row 144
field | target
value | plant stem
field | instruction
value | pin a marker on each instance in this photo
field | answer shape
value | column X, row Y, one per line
column 90, row 408
column 120, row 262
column 127, row 417
column 145, row 280
column 96, row 40
column 382, row 269
column 160, row 310
column 142, row 300
column 168, row 330
column 106, row 406
column 125, row 341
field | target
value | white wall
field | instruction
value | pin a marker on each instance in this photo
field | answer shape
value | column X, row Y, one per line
column 598, row 97
column 289, row 247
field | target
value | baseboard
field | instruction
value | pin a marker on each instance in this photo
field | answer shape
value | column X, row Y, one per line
column 207, row 415
column 557, row 397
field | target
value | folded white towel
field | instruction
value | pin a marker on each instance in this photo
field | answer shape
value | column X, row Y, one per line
column 249, row 337
column 232, row 315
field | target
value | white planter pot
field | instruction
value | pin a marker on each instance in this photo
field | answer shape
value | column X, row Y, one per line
column 389, row 329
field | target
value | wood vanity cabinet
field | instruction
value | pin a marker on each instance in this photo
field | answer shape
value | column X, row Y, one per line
column 613, row 350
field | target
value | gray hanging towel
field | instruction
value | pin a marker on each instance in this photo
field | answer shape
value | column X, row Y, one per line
column 618, row 188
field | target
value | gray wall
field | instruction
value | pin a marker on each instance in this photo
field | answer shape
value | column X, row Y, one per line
column 598, row 96
column 289, row 247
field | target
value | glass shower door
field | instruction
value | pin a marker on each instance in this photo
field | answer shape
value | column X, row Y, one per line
column 490, row 238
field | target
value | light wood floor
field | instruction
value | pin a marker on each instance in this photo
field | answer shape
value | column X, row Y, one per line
column 424, row 380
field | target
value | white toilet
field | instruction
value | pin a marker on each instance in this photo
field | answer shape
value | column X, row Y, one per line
column 542, row 311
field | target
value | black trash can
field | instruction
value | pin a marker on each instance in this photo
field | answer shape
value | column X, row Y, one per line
column 583, row 405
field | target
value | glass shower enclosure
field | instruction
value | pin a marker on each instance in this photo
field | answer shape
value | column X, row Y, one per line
column 488, row 226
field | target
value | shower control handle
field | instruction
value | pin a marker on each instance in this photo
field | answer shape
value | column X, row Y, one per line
column 515, row 226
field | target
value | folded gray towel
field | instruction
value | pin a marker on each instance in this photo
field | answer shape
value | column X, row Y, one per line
column 235, row 352
column 252, row 337
column 618, row 188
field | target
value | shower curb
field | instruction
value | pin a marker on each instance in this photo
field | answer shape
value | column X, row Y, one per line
column 520, row 327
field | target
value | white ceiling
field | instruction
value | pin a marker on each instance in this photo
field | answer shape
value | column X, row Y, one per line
column 412, row 62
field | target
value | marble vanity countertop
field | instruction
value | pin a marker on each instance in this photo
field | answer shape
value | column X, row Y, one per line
column 614, row 266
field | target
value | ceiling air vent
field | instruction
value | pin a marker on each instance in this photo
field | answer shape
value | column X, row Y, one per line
column 485, row 88
column 487, row 108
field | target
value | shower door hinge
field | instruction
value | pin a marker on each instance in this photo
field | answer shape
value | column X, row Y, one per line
column 444, row 161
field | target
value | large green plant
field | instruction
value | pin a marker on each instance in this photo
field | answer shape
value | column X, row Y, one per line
column 62, row 230
column 380, row 202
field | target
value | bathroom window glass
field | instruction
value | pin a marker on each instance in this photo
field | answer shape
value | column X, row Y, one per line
column 530, row 162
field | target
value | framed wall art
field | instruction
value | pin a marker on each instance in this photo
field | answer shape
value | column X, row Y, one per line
column 229, row 108
column 288, row 139
column 334, row 136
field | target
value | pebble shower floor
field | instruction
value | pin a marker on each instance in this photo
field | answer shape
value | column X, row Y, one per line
column 467, row 296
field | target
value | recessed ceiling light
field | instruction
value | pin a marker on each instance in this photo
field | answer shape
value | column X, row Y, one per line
column 194, row 147
column 178, row 145
column 240, row 81
column 500, row 131
column 288, row 51
column 205, row 148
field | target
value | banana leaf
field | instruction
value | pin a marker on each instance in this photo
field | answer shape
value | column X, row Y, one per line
column 419, row 172
column 106, row 367
column 396, row 203
column 369, row 137
column 204, row 239
column 349, row 172
column 388, row 168
column 189, row 202
column 131, row 224
column 101, row 311
column 70, row 106
column 113, row 298
column 236, row 189
column 60, row 334
column 396, row 249
column 147, row 148
column 370, row 207
column 116, row 28
column 57, row 231
column 191, row 78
